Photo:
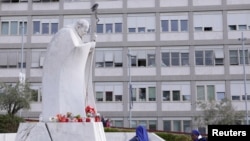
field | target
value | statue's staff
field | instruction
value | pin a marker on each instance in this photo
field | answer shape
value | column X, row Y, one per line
column 94, row 10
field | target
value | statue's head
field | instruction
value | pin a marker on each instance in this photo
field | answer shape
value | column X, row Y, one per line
column 82, row 27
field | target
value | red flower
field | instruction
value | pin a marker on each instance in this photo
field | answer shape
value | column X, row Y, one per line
column 90, row 109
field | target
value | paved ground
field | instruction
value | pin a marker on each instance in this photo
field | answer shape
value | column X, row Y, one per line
column 124, row 136
column 110, row 136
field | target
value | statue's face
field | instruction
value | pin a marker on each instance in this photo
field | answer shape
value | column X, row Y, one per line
column 82, row 28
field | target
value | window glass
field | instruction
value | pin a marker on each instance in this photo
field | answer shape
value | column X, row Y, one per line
column 142, row 94
column 176, row 125
column 232, row 27
column 99, row 96
column 167, row 125
column 164, row 25
column 220, row 95
column 210, row 92
column 118, row 27
column 21, row 28
column 200, row 93
column 166, row 95
column 165, row 58
column 109, row 28
column 151, row 59
column 141, row 29
column 209, row 58
column 184, row 59
column 152, row 124
column 109, row 96
column 5, row 28
column 184, row 25
column 13, row 28
column 174, row 25
column 45, row 28
column 151, row 94
column 242, row 27
column 176, row 96
column 54, row 28
column 233, row 57
column 132, row 30
column 241, row 56
column 99, row 28
column 36, row 27
column 175, row 58
column 199, row 57
column 187, row 126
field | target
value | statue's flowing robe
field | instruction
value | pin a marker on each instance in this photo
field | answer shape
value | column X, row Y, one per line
column 67, row 75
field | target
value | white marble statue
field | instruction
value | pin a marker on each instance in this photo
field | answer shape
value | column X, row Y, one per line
column 67, row 73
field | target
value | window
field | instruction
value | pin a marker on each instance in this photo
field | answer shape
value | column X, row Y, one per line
column 144, row 93
column 99, row 96
column 108, row 58
column 232, row 27
column 164, row 25
column 174, row 58
column 174, row 25
column 13, row 27
column 45, row 0
column 238, row 20
column 203, row 23
column 152, row 125
column 108, row 92
column 36, row 92
column 143, row 58
column 45, row 26
column 13, row 1
column 110, row 25
column 148, row 124
column 184, row 25
column 220, row 95
column 166, row 95
column 177, row 125
column 174, row 22
column 11, row 59
column 238, row 91
column 208, row 29
column 167, row 125
column 109, row 96
column 37, row 58
column 117, row 123
column 206, row 93
column 174, row 95
column 236, row 57
column 143, row 23
column 205, row 57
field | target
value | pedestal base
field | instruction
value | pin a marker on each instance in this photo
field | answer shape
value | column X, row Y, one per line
column 56, row 131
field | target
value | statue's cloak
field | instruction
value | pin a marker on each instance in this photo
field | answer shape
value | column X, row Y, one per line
column 67, row 75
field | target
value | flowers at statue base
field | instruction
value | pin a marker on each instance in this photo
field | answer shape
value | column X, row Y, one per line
column 66, row 118
column 91, row 115
column 90, row 112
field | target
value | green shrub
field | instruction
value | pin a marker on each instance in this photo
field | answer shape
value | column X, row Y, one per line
column 9, row 124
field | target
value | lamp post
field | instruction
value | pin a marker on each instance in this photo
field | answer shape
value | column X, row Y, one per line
column 242, row 39
column 130, row 90
column 21, row 74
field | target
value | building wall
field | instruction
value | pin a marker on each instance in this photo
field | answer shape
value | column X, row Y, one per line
column 147, row 30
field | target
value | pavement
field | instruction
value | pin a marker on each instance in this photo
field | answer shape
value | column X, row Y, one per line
column 126, row 136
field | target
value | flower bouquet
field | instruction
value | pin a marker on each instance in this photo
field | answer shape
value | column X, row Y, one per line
column 90, row 112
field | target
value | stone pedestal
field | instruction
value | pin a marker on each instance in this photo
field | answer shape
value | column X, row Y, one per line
column 56, row 131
